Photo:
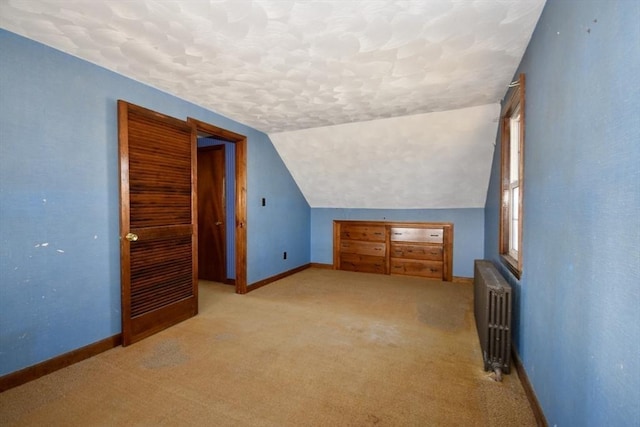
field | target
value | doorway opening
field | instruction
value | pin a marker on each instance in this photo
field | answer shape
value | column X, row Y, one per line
column 216, row 240
column 217, row 146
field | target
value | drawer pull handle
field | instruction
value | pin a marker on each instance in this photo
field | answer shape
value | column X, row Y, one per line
column 435, row 235
column 397, row 234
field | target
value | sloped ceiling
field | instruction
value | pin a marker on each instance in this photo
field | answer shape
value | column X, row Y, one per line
column 432, row 160
column 283, row 66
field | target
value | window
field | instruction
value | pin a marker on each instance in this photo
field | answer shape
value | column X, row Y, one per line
column 512, row 166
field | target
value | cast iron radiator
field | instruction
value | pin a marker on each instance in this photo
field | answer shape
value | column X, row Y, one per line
column 492, row 307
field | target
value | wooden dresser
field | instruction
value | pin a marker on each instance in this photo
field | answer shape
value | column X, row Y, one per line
column 409, row 248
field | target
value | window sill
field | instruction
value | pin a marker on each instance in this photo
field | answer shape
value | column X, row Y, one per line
column 512, row 265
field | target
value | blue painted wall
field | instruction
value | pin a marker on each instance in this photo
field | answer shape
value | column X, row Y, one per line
column 468, row 229
column 59, row 232
column 283, row 224
column 577, row 309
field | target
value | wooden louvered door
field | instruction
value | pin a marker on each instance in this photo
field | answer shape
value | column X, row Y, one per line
column 157, row 221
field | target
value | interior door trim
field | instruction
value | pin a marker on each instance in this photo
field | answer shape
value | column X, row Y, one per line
column 240, row 142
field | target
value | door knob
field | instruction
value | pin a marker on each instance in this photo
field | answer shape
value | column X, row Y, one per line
column 131, row 237
column 218, row 222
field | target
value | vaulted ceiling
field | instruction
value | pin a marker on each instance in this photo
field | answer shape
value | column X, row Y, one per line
column 367, row 101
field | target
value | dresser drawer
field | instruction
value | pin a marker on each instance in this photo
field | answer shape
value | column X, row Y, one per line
column 362, row 248
column 372, row 233
column 421, row 235
column 363, row 263
column 430, row 269
column 425, row 252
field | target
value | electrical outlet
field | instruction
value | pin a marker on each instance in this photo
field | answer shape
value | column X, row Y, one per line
column 284, row 255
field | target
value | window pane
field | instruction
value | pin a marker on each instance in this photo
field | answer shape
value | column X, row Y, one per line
column 514, row 147
column 514, row 150
column 513, row 223
column 514, row 203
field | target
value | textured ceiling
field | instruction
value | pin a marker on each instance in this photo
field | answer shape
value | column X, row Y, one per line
column 281, row 65
column 371, row 104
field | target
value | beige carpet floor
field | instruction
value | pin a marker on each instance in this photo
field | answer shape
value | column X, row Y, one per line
column 319, row 348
